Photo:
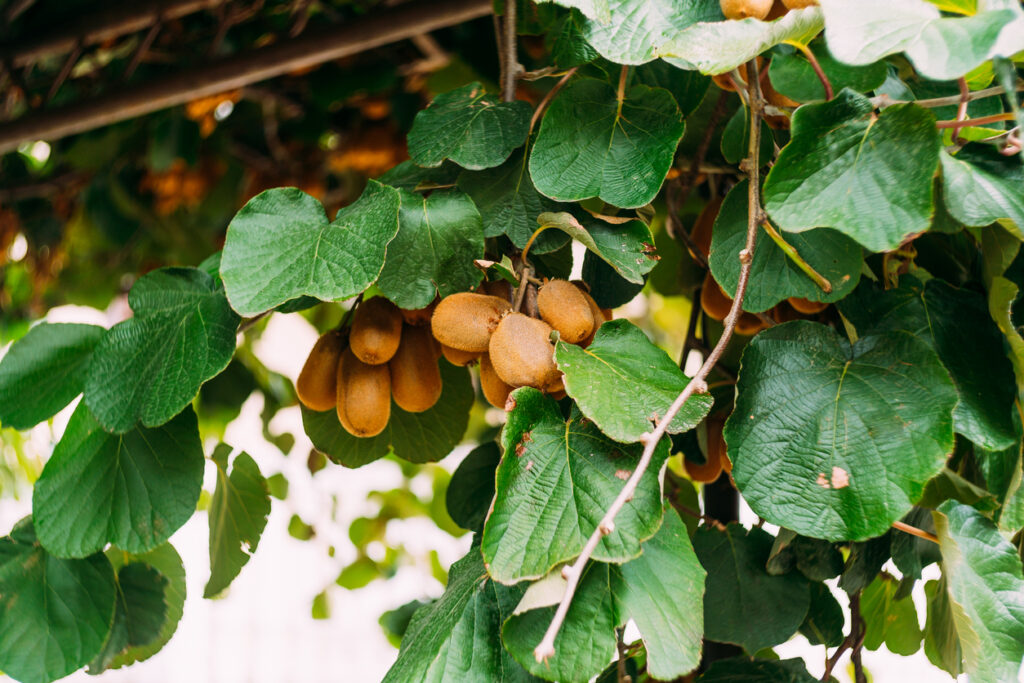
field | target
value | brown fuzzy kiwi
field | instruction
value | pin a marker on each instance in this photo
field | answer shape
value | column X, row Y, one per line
column 415, row 377
column 522, row 353
column 749, row 324
column 784, row 313
column 556, row 389
column 419, row 316
column 563, row 306
column 466, row 320
column 340, row 382
column 376, row 331
column 493, row 387
column 458, row 356
column 716, row 455
column 716, row 441
column 773, row 96
column 806, row 306
column 499, row 288
column 799, row 4
column 778, row 10
column 725, row 81
column 715, row 302
column 316, row 385
column 745, row 9
column 702, row 227
column 365, row 391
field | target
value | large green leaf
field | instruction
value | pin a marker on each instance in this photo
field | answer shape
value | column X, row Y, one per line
column 438, row 238
column 889, row 620
column 941, row 643
column 940, row 48
column 51, row 360
column 473, row 129
column 627, row 247
column 823, row 624
column 660, row 591
column 747, row 670
column 774, row 276
column 593, row 9
column 139, row 613
column 1001, row 295
column 721, row 46
column 55, row 614
column 744, row 604
column 133, row 490
column 864, row 427
column 793, row 76
column 624, row 383
column 280, row 246
column 866, row 175
column 554, row 483
column 509, row 204
column 957, row 324
column 590, row 145
column 238, row 513
column 471, row 488
column 986, row 591
column 457, row 638
column 164, row 559
column 416, row 437
column 980, row 186
column 149, row 367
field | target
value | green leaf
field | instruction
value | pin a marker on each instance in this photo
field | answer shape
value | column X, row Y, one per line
column 687, row 87
column 133, row 490
column 746, row 670
column 607, row 287
column 592, row 9
column 981, row 186
column 409, row 176
column 888, row 620
column 589, row 146
column 627, row 247
column 864, row 562
column 438, row 238
column 940, row 48
column 736, row 135
column 280, row 246
column 624, row 383
column 948, row 485
column 471, row 488
column 568, row 46
column 957, row 324
column 867, row 176
column 149, row 367
column 554, row 484
column 55, row 614
column 909, row 553
column 774, row 277
column 457, row 638
column 865, row 426
column 793, row 76
column 473, row 129
column 139, row 613
column 167, row 562
column 509, row 204
column 816, row 559
column 637, row 32
column 721, row 46
column 986, row 592
column 823, row 624
column 238, row 515
column 52, row 359
column 1001, row 295
column 744, row 604
column 941, row 643
column 416, row 437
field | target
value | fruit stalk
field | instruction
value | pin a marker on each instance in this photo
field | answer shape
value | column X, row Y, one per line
column 698, row 384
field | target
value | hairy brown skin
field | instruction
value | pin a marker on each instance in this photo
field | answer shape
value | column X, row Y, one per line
column 745, row 9
column 493, row 387
column 364, row 396
column 316, row 386
column 712, row 468
column 466, row 320
column 713, row 300
column 499, row 288
column 458, row 356
column 415, row 377
column 799, row 4
column 419, row 316
column 806, row 306
column 563, row 306
column 522, row 352
column 376, row 331
column 702, row 227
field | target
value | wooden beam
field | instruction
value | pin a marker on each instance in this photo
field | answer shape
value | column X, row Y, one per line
column 237, row 71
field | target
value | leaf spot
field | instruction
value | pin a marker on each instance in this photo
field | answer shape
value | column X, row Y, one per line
column 623, row 474
column 822, row 481
column 840, row 478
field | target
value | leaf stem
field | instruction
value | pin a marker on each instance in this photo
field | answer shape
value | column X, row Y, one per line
column 794, row 256
column 957, row 124
column 819, row 72
column 547, row 99
column 249, row 322
column 914, row 531
column 620, row 96
column 572, row 573
column 883, row 101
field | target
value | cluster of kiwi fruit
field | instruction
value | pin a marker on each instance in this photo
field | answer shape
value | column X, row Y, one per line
column 514, row 349
column 387, row 353
column 765, row 10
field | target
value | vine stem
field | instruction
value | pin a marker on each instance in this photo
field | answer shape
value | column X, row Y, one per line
column 961, row 111
column 620, row 95
column 572, row 573
column 794, row 256
column 980, row 121
column 547, row 99
column 914, row 531
column 509, row 58
column 829, row 93
column 885, row 101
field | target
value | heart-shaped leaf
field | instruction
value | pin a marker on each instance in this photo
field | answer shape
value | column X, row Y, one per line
column 627, row 247
column 981, row 186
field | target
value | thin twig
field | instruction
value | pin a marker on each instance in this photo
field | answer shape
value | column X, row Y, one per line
column 511, row 59
column 858, row 628
column 525, row 276
column 914, row 531
column 65, row 71
column 980, row 121
column 961, row 111
column 548, row 97
column 142, row 49
column 249, row 322
column 623, row 677
column 882, row 101
column 794, row 256
column 831, row 662
column 686, row 182
column 572, row 573
column 817, row 70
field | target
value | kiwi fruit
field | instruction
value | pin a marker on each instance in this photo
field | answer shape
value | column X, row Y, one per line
column 563, row 306
column 466, row 320
column 419, row 316
column 376, row 331
column 784, row 313
column 777, row 11
column 716, row 455
column 522, row 353
column 415, row 377
column 499, row 288
column 799, row 4
column 316, row 386
column 493, row 387
column 725, row 81
column 346, row 359
column 715, row 302
column 364, row 393
column 458, row 356
column 598, row 313
column 702, row 227
column 745, row 9
column 749, row 324
column 806, row 306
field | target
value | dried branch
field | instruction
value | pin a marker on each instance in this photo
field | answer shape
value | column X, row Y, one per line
column 572, row 573
column 510, row 60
